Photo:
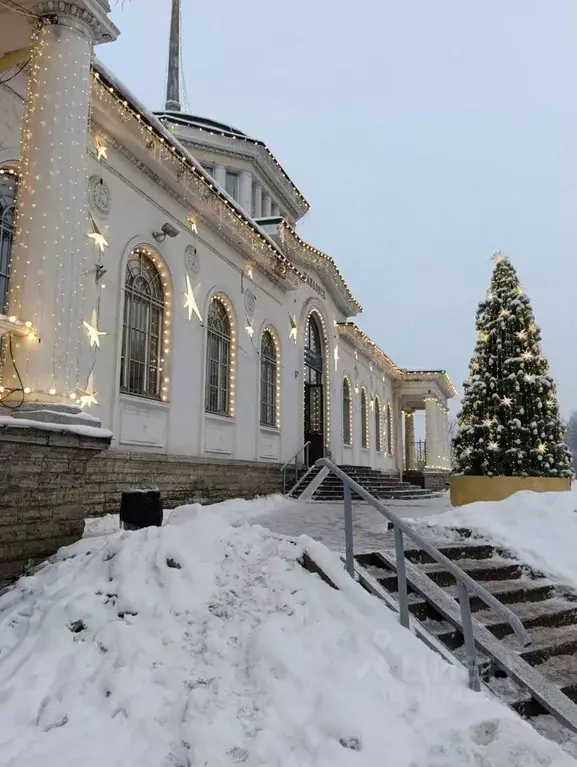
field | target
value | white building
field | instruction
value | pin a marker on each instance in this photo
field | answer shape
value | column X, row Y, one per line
column 151, row 272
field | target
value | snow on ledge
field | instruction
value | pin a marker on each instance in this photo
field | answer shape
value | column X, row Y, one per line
column 8, row 421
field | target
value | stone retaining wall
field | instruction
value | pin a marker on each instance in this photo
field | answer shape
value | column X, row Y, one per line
column 180, row 479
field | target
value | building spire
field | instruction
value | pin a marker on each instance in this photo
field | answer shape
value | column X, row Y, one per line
column 173, row 79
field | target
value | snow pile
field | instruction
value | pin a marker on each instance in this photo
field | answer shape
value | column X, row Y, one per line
column 205, row 643
column 541, row 528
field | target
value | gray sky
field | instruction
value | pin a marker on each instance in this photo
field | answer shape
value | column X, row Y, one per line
column 424, row 134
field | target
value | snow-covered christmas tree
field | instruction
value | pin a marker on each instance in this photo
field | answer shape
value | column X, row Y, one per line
column 509, row 424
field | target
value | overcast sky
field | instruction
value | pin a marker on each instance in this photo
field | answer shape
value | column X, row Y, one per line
column 424, row 134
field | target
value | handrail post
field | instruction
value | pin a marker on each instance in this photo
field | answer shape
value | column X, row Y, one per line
column 469, row 637
column 401, row 578
column 348, row 503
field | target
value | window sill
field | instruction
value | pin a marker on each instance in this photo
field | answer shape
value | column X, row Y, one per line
column 348, row 444
column 270, row 429
column 219, row 418
column 141, row 400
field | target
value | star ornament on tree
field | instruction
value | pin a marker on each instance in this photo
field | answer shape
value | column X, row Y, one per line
column 190, row 301
column 494, row 446
column 92, row 330
column 498, row 257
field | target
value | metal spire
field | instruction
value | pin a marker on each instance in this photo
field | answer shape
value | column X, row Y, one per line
column 173, row 79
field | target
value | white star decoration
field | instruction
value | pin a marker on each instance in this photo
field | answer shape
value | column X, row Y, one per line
column 493, row 445
column 88, row 395
column 249, row 328
column 498, row 257
column 97, row 236
column 192, row 224
column 92, row 330
column 101, row 149
column 249, row 270
column 294, row 328
column 190, row 301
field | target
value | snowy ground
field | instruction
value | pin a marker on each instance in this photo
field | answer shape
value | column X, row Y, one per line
column 322, row 521
column 205, row 643
column 540, row 528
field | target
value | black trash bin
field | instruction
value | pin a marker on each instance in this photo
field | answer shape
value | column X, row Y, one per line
column 140, row 508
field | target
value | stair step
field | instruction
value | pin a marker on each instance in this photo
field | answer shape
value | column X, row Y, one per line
column 551, row 612
column 510, row 592
column 548, row 642
column 480, row 569
column 455, row 552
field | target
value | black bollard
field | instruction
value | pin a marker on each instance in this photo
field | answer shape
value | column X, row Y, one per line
column 140, row 508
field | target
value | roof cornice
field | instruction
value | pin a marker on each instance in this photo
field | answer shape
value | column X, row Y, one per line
column 308, row 257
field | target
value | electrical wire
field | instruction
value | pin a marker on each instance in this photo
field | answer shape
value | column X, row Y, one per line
column 20, row 69
column 16, row 8
column 20, row 390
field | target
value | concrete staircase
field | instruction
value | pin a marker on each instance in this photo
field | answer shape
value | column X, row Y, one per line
column 548, row 611
column 376, row 482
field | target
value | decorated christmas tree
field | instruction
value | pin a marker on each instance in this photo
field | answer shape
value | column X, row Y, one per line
column 509, row 424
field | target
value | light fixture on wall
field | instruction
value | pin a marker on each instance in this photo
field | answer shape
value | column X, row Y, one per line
column 167, row 230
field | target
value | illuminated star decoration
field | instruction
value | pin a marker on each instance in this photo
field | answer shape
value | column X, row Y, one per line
column 294, row 329
column 542, row 448
column 249, row 270
column 522, row 335
column 92, row 330
column 97, row 236
column 498, row 257
column 190, row 301
column 493, row 445
column 504, row 312
column 527, row 355
column 101, row 149
column 192, row 224
column 487, row 422
column 88, row 395
column 507, row 401
column 249, row 328
column 336, row 357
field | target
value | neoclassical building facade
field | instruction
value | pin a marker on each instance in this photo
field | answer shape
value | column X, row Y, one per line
column 152, row 276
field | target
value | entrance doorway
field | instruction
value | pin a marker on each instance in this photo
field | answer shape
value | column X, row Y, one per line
column 314, row 420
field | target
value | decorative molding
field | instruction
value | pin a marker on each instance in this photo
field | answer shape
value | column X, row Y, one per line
column 95, row 21
column 99, row 197
column 249, row 302
column 262, row 163
column 237, row 238
column 192, row 259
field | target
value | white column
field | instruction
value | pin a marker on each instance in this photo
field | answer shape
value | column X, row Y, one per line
column 431, row 432
column 220, row 175
column 246, row 191
column 266, row 204
column 257, row 201
column 51, row 284
column 410, row 458
column 445, row 442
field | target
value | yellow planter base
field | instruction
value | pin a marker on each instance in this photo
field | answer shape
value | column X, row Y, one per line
column 466, row 489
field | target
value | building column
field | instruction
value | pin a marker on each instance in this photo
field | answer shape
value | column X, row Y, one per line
column 246, row 192
column 257, row 201
column 266, row 204
column 220, row 175
column 52, row 281
column 445, row 442
column 431, row 433
column 410, row 457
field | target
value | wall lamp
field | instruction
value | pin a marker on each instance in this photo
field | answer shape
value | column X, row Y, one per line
column 168, row 230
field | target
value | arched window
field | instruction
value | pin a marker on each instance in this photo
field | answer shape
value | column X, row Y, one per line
column 143, row 327
column 268, row 380
column 364, row 420
column 8, row 188
column 218, row 359
column 347, row 412
column 378, row 439
column 389, row 430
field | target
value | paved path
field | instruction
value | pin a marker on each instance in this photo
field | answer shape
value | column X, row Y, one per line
column 325, row 523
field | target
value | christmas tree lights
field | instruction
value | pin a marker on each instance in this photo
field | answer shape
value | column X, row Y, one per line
column 509, row 424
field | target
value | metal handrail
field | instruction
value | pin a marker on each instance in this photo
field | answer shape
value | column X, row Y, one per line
column 465, row 584
column 294, row 458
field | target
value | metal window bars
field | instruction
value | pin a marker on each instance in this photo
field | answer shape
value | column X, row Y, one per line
column 465, row 584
